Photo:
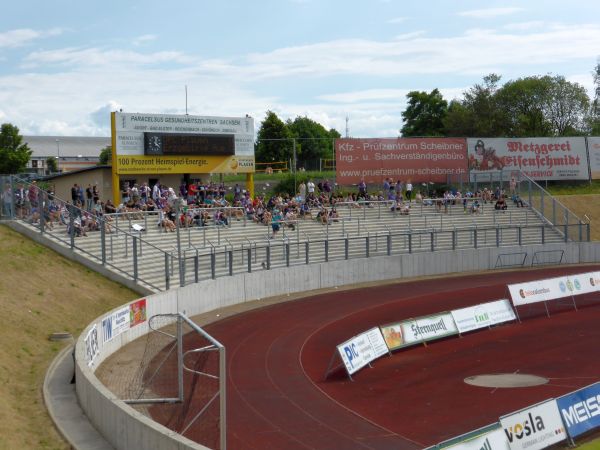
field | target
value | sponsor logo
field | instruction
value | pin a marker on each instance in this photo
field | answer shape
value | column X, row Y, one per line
column 570, row 285
column 577, row 284
column 486, row 445
column 562, row 286
column 431, row 328
column 528, row 428
column 525, row 294
column 351, row 353
column 233, row 164
column 581, row 411
column 592, row 282
column 522, row 293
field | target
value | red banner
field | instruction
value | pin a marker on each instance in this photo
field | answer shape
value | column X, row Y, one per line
column 137, row 312
column 406, row 159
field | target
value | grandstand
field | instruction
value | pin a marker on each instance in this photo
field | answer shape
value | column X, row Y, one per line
column 133, row 245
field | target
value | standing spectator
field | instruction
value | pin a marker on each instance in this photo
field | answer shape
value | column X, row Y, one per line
column 7, row 200
column 80, row 196
column 89, row 197
column 33, row 193
column 362, row 188
column 386, row 186
column 409, row 188
column 310, row 186
column 156, row 192
column 95, row 194
column 74, row 190
column 302, row 191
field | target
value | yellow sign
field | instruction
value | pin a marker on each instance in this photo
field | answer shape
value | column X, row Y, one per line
column 142, row 165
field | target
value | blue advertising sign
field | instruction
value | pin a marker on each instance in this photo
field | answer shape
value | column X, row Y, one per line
column 580, row 410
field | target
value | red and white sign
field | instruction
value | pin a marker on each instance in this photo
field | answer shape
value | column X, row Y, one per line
column 561, row 158
column 534, row 428
column 594, row 150
column 405, row 159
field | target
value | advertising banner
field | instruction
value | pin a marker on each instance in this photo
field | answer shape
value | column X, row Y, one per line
column 580, row 410
column 529, row 292
column 584, row 283
column 92, row 348
column 490, row 440
column 594, row 149
column 356, row 353
column 484, row 315
column 137, row 312
column 392, row 335
column 428, row 328
column 534, row 428
column 139, row 165
column 407, row 159
column 377, row 342
column 561, row 158
column 115, row 324
column 554, row 288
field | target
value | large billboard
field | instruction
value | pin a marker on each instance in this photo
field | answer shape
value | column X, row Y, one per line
column 167, row 143
column 561, row 158
column 405, row 159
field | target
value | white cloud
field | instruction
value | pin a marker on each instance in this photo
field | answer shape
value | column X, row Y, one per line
column 527, row 26
column 143, row 39
column 397, row 20
column 489, row 13
column 23, row 36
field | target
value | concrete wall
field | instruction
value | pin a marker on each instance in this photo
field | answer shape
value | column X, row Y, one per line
column 125, row 428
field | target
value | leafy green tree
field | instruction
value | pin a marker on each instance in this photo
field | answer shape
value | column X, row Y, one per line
column 313, row 140
column 51, row 164
column 424, row 115
column 594, row 115
column 566, row 107
column 14, row 154
column 105, row 158
column 274, row 140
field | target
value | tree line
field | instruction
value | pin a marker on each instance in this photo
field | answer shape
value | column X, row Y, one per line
column 544, row 106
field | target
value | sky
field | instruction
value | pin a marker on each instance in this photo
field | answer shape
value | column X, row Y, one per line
column 347, row 64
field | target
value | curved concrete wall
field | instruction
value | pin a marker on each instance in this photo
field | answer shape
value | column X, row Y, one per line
column 125, row 428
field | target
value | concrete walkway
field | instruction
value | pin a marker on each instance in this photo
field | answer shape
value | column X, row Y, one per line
column 61, row 401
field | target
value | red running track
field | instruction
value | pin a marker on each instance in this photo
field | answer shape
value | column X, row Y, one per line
column 277, row 356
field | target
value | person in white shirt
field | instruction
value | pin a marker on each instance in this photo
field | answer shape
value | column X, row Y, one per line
column 311, row 187
column 409, row 188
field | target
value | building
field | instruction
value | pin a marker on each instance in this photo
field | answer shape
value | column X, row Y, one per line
column 71, row 152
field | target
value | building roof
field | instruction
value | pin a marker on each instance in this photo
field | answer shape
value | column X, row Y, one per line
column 67, row 146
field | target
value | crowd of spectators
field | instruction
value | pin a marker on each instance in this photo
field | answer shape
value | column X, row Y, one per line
column 203, row 204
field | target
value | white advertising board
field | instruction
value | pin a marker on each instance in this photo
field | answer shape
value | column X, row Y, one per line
column 534, row 428
column 92, row 348
column 560, row 158
column 115, row 324
column 359, row 351
column 554, row 288
column 594, row 150
column 377, row 342
column 130, row 129
column 492, row 440
column 427, row 328
column 484, row 315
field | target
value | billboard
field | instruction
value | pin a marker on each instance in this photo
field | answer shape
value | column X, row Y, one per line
column 561, row 158
column 115, row 324
column 428, row 328
column 359, row 351
column 92, row 346
column 166, row 143
column 484, row 315
column 535, row 427
column 554, row 288
column 594, row 150
column 489, row 440
column 406, row 159
column 580, row 410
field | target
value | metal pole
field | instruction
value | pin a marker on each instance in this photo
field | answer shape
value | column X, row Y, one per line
column 306, row 248
column 179, row 261
column 367, row 245
column 213, row 264
column 326, row 250
column 167, row 275
column 346, row 248
column 287, row 254
column 230, row 253
column 222, row 398
column 41, row 210
column 520, row 235
column 389, row 244
column 180, row 357
column 135, row 259
column 432, row 242
column 268, row 250
column 103, row 239
column 72, row 226
column 295, row 167
column 196, row 267
column 249, row 260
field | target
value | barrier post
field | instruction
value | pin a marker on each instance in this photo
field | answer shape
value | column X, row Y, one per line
column 475, row 237
column 367, row 246
column 72, row 226
column 497, row 235
column 520, row 235
column 196, row 267
column 250, row 260
column 326, row 250
column 432, row 241
column 213, row 265
column 41, row 211
column 287, row 254
column 135, row 259
column 230, row 255
column 587, row 226
column 410, row 242
column 389, row 244
column 103, row 240
column 306, row 250
column 453, row 239
column 167, row 274
column 268, row 250
column 346, row 248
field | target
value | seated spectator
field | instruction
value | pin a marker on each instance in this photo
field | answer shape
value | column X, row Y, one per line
column 333, row 215
column 501, row 204
column 475, row 207
column 517, row 201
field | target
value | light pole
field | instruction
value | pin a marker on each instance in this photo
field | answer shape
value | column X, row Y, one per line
column 58, row 156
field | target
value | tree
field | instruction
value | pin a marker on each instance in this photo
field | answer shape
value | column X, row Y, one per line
column 566, row 107
column 51, row 164
column 594, row 115
column 424, row 115
column 313, row 140
column 105, row 158
column 274, row 140
column 14, row 154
